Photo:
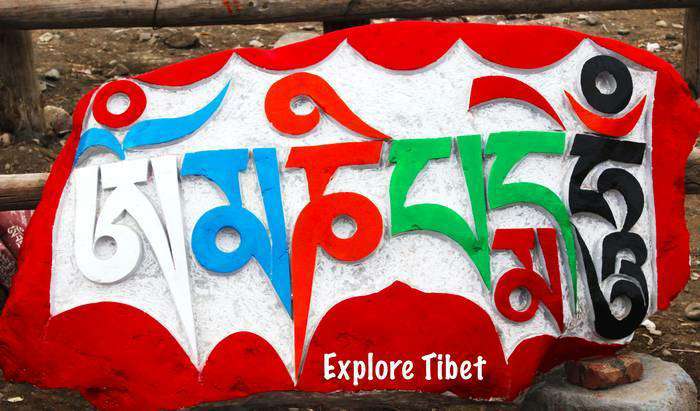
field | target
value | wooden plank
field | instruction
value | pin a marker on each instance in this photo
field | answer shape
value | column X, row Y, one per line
column 691, row 49
column 335, row 25
column 42, row 14
column 21, row 112
column 21, row 191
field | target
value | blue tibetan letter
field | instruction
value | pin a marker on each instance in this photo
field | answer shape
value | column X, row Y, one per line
column 222, row 168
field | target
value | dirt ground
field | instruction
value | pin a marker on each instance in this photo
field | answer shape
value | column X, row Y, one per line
column 87, row 58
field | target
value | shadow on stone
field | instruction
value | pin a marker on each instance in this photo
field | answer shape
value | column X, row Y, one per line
column 375, row 400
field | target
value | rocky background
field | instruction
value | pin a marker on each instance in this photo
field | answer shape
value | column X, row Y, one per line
column 71, row 62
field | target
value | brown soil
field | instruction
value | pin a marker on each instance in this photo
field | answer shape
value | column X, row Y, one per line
column 85, row 59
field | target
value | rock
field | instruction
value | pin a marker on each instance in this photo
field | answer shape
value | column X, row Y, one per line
column 582, row 16
column 42, row 85
column 485, row 19
column 694, row 276
column 5, row 139
column 692, row 172
column 623, row 31
column 557, row 20
column 145, row 36
column 451, row 20
column 294, row 37
column 664, row 386
column 83, row 71
column 670, row 36
column 692, row 311
column 52, row 75
column 653, row 47
column 677, row 47
column 182, row 40
column 600, row 373
column 677, row 26
column 119, row 70
column 661, row 23
column 45, row 38
column 666, row 352
column 651, row 327
column 256, row 43
column 57, row 120
column 307, row 27
column 437, row 321
column 592, row 20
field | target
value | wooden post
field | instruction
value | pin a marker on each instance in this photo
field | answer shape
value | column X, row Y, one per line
column 334, row 25
column 21, row 112
column 691, row 49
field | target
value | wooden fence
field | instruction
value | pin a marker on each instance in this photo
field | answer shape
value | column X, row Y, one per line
column 43, row 14
column 20, row 107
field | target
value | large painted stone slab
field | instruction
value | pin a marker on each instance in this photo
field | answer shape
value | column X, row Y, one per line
column 414, row 206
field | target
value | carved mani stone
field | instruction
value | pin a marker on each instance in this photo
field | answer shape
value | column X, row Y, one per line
column 414, row 206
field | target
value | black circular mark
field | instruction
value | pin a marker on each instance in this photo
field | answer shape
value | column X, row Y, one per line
column 616, row 101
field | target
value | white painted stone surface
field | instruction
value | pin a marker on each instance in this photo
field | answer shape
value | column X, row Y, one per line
column 429, row 102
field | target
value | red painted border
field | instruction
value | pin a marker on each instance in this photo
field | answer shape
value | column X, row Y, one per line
column 137, row 104
column 33, row 346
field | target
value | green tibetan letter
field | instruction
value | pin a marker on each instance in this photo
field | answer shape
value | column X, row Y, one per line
column 410, row 157
column 511, row 147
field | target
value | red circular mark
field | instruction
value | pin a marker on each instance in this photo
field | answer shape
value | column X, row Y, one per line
column 512, row 280
column 137, row 104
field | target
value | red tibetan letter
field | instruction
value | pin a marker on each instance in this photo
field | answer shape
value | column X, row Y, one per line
column 521, row 241
column 314, row 226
